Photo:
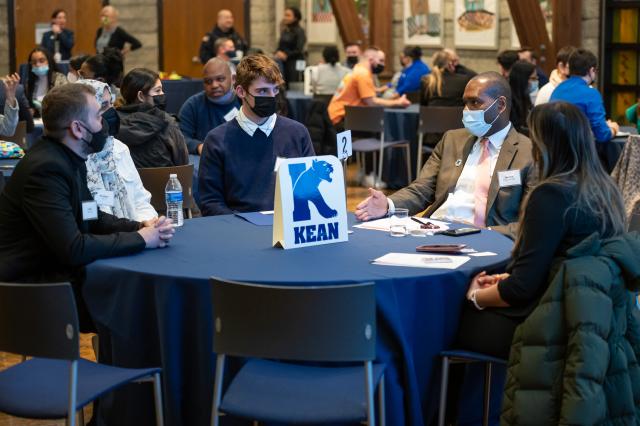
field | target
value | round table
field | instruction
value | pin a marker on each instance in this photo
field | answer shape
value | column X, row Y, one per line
column 154, row 308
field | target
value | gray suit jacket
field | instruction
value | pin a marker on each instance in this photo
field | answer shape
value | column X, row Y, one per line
column 440, row 174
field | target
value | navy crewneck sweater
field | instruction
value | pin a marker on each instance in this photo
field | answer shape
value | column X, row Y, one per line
column 236, row 170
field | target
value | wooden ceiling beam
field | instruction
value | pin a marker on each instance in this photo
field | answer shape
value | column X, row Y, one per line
column 348, row 22
column 532, row 31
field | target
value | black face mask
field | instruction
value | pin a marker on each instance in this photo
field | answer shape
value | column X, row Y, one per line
column 352, row 61
column 113, row 120
column 160, row 101
column 264, row 106
column 231, row 53
column 99, row 138
column 377, row 69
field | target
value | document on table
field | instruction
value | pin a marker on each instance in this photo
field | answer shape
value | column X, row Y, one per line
column 384, row 223
column 257, row 218
column 421, row 260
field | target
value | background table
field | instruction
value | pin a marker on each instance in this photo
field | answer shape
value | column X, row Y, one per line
column 156, row 308
column 610, row 152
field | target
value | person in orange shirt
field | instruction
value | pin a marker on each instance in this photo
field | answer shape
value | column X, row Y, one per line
column 358, row 88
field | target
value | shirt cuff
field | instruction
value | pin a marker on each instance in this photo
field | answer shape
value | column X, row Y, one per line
column 391, row 209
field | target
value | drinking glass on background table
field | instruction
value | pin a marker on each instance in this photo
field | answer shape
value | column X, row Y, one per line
column 398, row 223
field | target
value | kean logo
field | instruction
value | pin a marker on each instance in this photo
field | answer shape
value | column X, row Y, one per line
column 310, row 202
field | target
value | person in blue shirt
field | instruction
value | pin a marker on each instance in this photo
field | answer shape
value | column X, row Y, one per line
column 239, row 157
column 206, row 110
column 576, row 90
column 414, row 70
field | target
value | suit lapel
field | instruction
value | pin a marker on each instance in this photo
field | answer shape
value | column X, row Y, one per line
column 505, row 158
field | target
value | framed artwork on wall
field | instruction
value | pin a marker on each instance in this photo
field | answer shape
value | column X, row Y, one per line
column 321, row 24
column 423, row 22
column 475, row 24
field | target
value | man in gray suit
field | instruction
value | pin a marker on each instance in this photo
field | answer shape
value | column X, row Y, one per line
column 477, row 175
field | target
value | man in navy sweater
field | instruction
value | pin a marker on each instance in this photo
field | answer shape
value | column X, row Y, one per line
column 210, row 108
column 239, row 157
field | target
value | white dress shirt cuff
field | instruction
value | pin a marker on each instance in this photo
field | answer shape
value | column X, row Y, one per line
column 392, row 207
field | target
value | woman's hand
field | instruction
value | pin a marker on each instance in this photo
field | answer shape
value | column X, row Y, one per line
column 482, row 281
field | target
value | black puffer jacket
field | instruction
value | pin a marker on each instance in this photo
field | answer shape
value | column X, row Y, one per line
column 153, row 136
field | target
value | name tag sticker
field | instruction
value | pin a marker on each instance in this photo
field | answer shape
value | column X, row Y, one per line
column 89, row 210
column 509, row 178
column 231, row 114
column 105, row 198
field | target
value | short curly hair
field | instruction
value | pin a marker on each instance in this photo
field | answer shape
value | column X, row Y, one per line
column 255, row 66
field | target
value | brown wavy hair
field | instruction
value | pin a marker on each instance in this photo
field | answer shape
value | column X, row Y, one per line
column 255, row 66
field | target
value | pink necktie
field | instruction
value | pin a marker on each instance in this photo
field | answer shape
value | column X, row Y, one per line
column 483, row 180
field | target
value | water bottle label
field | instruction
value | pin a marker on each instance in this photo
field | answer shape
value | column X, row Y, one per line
column 173, row 197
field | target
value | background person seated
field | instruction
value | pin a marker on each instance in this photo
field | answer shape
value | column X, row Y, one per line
column 107, row 67
column 575, row 90
column 443, row 86
column 226, row 50
column 206, row 110
column 558, row 75
column 326, row 76
column 43, row 75
column 75, row 63
column 413, row 71
column 524, row 86
column 237, row 166
column 505, row 60
column 152, row 135
column 527, row 54
column 112, row 177
column 9, row 121
column 470, row 162
column 59, row 40
column 353, row 54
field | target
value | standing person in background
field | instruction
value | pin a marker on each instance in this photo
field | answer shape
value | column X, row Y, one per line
column 443, row 87
column 112, row 35
column 43, row 75
column 326, row 76
column 59, row 40
column 524, row 83
column 223, row 28
column 414, row 70
column 353, row 52
column 560, row 74
column 291, row 44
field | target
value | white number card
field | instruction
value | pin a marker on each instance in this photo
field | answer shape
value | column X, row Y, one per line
column 344, row 145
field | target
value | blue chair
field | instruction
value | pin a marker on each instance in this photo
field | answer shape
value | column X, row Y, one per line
column 40, row 320
column 328, row 324
column 466, row 357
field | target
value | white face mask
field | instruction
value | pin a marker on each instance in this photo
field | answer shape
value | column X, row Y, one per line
column 71, row 77
column 474, row 121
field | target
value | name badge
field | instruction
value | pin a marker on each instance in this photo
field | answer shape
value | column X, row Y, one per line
column 279, row 161
column 508, row 178
column 105, row 198
column 89, row 210
column 231, row 114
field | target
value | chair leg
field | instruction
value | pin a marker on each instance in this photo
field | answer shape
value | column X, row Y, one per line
column 380, row 162
column 382, row 416
column 444, row 383
column 81, row 417
column 487, row 394
column 73, row 391
column 217, row 390
column 95, row 344
column 408, row 152
column 368, row 375
column 157, row 395
column 419, row 154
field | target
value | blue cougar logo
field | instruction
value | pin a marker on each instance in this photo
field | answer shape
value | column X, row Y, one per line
column 305, row 189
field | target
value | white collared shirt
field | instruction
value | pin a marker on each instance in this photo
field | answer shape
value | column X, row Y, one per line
column 460, row 205
column 250, row 127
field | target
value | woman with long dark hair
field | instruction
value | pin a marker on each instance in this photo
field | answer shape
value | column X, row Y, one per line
column 43, row 75
column 291, row 43
column 152, row 135
column 524, row 83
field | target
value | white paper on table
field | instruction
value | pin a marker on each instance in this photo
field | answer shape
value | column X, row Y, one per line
column 421, row 260
column 483, row 254
column 270, row 212
column 622, row 134
column 384, row 224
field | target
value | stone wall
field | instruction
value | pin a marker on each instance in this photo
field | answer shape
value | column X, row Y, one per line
column 140, row 18
column 4, row 39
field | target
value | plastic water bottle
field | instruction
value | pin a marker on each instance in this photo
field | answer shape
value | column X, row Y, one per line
column 173, row 197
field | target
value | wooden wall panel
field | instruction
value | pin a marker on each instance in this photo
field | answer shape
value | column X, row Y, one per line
column 348, row 22
column 530, row 26
column 381, row 31
column 567, row 23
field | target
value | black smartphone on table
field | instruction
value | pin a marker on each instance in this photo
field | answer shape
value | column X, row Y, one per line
column 459, row 232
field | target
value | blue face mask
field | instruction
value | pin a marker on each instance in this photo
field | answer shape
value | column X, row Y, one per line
column 474, row 120
column 533, row 86
column 40, row 71
column 224, row 99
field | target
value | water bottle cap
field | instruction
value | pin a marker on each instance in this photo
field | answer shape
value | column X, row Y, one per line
column 173, row 175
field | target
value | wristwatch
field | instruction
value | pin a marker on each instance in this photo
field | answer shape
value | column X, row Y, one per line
column 472, row 298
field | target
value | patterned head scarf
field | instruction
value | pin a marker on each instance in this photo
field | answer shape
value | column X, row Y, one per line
column 102, row 173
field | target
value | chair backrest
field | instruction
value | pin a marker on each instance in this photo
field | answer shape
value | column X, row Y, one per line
column 414, row 97
column 327, row 323
column 39, row 320
column 155, row 180
column 364, row 118
column 439, row 119
column 20, row 135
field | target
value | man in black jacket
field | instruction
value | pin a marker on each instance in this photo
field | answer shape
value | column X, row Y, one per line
column 224, row 28
column 50, row 227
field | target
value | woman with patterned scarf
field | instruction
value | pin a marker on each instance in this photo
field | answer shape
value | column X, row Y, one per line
column 112, row 177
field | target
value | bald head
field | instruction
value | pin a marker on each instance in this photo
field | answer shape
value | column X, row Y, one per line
column 490, row 92
column 374, row 57
column 225, row 20
column 217, row 78
column 109, row 16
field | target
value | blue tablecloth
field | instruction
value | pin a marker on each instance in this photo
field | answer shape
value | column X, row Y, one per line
column 156, row 307
column 178, row 91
